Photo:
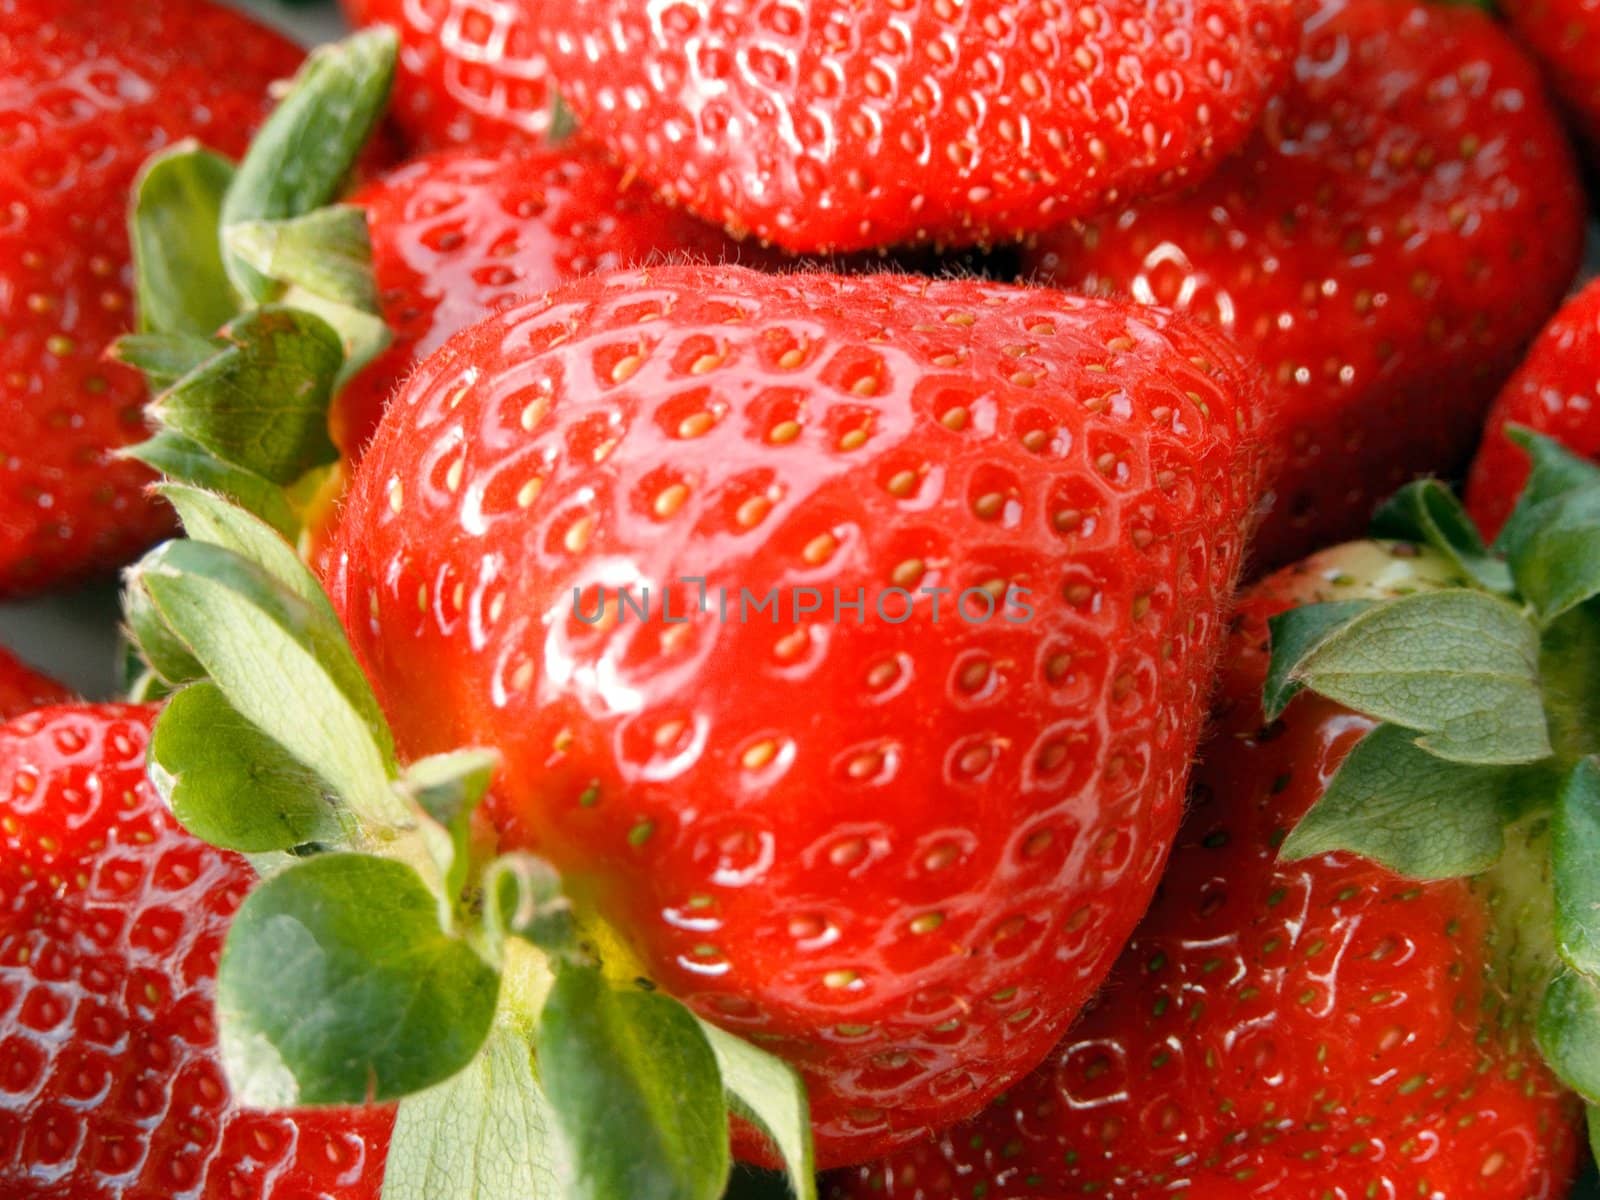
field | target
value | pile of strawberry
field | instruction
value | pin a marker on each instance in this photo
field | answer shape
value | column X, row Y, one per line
column 767, row 581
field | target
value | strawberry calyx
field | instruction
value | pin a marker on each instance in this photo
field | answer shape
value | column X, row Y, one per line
column 1484, row 763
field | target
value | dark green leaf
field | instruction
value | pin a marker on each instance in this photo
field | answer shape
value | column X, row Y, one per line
column 231, row 785
column 771, row 1096
column 1575, row 859
column 636, row 1092
column 1568, row 1032
column 1592, row 1119
column 165, row 358
column 484, row 1134
column 283, row 664
column 1554, row 470
column 1295, row 634
column 524, row 898
column 1427, row 512
column 262, row 404
column 305, row 150
column 177, row 252
column 338, row 986
column 1418, row 815
column 186, row 461
column 1556, row 555
column 1459, row 667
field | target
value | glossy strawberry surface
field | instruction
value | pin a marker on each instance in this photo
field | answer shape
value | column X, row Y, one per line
column 1556, row 392
column 829, row 125
column 1565, row 34
column 469, row 72
column 899, row 851
column 111, row 921
column 1406, row 218
column 1317, row 1029
column 87, row 91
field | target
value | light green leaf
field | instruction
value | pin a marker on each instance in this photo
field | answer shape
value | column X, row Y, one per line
column 635, row 1090
column 184, row 460
column 262, row 403
column 306, row 148
column 337, row 985
column 1553, row 471
column 484, row 1134
column 1556, row 555
column 165, row 358
column 523, row 897
column 283, row 664
column 165, row 653
column 210, row 518
column 1295, row 634
column 448, row 787
column 1568, row 1033
column 1420, row 816
column 1459, row 667
column 1575, row 856
column 231, row 785
column 1427, row 512
column 177, row 254
column 771, row 1096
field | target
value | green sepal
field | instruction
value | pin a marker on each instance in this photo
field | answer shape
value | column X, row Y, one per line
column 1425, row 511
column 179, row 282
column 636, row 1092
column 229, row 784
column 1568, row 1032
column 1458, row 667
column 523, row 898
column 283, row 664
column 486, row 1133
column 261, row 403
column 164, row 358
column 1592, row 1121
column 1295, row 633
column 338, row 985
column 1553, row 471
column 186, row 461
column 448, row 787
column 1555, row 556
column 305, row 150
column 563, row 122
column 771, row 1096
column 1421, row 816
column 161, row 650
column 1575, row 856
column 208, row 517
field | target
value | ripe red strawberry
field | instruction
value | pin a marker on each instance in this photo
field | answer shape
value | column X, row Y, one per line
column 898, row 854
column 469, row 72
column 1565, row 35
column 1556, row 392
column 1406, row 218
column 90, row 90
column 23, row 689
column 111, row 919
column 1321, row 1028
column 834, row 126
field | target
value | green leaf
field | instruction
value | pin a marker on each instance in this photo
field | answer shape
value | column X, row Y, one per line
column 1427, row 512
column 486, row 1133
column 1574, row 855
column 770, row 1095
column 231, row 785
column 1459, row 667
column 337, row 985
column 524, row 898
column 1556, row 555
column 262, row 403
column 306, row 148
column 1568, row 1032
column 563, row 122
column 1295, row 634
column 1592, row 1119
column 635, row 1090
column 210, row 518
column 165, row 653
column 1420, row 816
column 1553, row 471
column 164, row 358
column 283, row 664
column 448, row 787
column 186, row 461
column 179, row 281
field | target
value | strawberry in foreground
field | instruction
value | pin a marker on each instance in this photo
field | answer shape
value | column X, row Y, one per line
column 832, row 126
column 1406, row 218
column 23, row 689
column 111, row 919
column 91, row 89
column 1565, row 35
column 1556, row 392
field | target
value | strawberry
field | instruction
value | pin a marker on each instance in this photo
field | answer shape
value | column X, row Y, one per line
column 1407, row 216
column 469, row 72
column 898, row 854
column 1565, row 36
column 89, row 90
column 111, row 919
column 1317, row 1028
column 837, row 126
column 1556, row 391
column 23, row 689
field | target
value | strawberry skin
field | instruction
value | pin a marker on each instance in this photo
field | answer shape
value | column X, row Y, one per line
column 1322, row 1028
column 1405, row 219
column 839, row 126
column 899, row 854
column 23, row 689
column 1556, row 392
column 111, row 920
column 90, row 90
column 1565, row 35
column 469, row 73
